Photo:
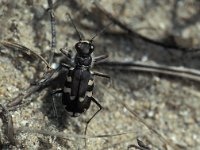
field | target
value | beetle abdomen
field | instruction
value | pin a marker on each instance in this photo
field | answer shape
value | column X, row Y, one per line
column 78, row 91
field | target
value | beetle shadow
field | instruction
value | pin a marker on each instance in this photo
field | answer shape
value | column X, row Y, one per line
column 62, row 121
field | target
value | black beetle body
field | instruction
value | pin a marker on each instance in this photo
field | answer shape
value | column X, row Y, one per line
column 78, row 88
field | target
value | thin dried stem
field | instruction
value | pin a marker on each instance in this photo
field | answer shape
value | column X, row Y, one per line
column 182, row 72
column 24, row 49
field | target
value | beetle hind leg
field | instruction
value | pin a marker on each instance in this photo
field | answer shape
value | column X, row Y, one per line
column 87, row 123
column 53, row 100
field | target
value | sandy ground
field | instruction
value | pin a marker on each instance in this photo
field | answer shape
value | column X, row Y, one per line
column 169, row 104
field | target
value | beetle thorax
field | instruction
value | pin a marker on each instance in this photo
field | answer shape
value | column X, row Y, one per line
column 83, row 61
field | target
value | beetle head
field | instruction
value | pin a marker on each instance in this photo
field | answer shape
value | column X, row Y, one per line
column 84, row 48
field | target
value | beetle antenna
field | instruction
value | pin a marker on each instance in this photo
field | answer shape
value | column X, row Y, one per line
column 78, row 33
column 101, row 31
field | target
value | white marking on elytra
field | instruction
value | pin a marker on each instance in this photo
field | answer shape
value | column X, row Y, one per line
column 81, row 99
column 90, row 82
column 89, row 94
column 72, row 97
column 69, row 78
column 67, row 90
column 71, row 68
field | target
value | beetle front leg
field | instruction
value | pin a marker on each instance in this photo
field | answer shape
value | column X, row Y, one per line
column 67, row 53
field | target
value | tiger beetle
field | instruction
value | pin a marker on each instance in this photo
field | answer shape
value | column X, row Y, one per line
column 77, row 93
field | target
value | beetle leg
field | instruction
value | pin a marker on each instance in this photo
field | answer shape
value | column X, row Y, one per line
column 67, row 53
column 99, row 58
column 87, row 123
column 57, row 91
column 100, row 74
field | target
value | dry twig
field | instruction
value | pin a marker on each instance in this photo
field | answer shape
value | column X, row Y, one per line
column 182, row 72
